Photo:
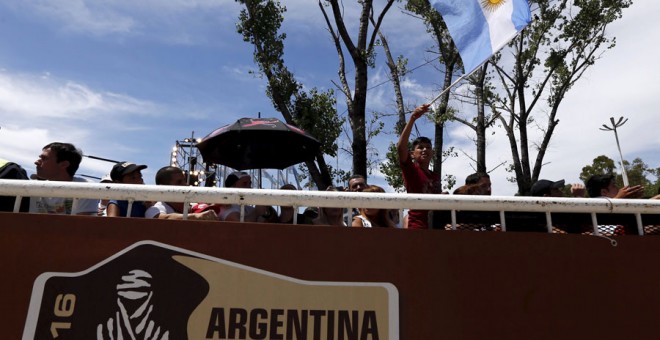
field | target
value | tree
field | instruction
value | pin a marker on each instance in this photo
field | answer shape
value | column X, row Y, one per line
column 481, row 93
column 450, row 61
column 259, row 23
column 449, row 58
column 601, row 165
column 361, row 52
column 549, row 57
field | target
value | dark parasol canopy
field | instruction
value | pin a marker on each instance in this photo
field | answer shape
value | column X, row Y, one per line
column 258, row 143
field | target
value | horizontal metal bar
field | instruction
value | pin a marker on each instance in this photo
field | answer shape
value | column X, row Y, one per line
column 323, row 198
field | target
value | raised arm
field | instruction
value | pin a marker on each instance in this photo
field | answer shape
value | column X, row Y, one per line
column 402, row 144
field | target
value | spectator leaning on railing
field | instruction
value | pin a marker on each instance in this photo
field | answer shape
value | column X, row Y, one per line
column 59, row 162
column 170, row 175
column 126, row 173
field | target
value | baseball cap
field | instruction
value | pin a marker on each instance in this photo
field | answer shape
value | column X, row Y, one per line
column 233, row 177
column 123, row 168
column 202, row 207
column 543, row 186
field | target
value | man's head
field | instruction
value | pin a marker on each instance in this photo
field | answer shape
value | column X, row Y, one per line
column 170, row 175
column 58, row 162
column 422, row 151
column 128, row 173
column 288, row 186
column 238, row 179
column 482, row 179
column 602, row 185
column 357, row 183
column 471, row 189
column 546, row 188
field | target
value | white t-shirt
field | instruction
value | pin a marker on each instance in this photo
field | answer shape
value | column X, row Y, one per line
column 157, row 209
column 225, row 210
column 68, row 206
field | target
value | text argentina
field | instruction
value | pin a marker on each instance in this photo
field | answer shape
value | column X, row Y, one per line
column 258, row 323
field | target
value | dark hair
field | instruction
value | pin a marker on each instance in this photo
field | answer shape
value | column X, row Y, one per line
column 233, row 177
column 288, row 186
column 596, row 183
column 475, row 177
column 469, row 189
column 66, row 152
column 164, row 174
column 383, row 218
column 420, row 140
column 356, row 176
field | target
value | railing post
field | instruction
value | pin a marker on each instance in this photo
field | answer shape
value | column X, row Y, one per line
column 17, row 204
column 640, row 226
column 594, row 222
column 502, row 220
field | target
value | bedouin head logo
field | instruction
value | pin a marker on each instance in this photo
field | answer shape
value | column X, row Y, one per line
column 158, row 292
column 133, row 318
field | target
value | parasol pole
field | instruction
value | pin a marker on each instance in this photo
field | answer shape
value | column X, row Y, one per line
column 190, row 165
column 619, row 123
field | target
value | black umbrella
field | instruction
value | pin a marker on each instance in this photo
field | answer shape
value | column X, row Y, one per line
column 258, row 143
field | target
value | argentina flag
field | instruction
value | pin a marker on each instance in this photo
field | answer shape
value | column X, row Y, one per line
column 480, row 28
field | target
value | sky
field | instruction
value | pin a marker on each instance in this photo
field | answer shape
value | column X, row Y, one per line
column 124, row 80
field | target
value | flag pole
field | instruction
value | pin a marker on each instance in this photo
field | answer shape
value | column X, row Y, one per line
column 465, row 75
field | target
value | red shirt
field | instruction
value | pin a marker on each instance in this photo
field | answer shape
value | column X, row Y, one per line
column 419, row 181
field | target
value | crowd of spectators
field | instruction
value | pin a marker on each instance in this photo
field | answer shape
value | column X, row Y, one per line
column 60, row 161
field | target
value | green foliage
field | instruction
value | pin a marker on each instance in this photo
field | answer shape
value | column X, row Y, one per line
column 451, row 181
column 390, row 168
column 315, row 113
column 402, row 65
column 340, row 176
column 601, row 165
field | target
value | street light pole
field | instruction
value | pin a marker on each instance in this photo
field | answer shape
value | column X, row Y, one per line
column 616, row 135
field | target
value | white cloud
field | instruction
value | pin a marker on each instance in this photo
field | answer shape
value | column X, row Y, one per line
column 30, row 96
column 38, row 109
column 81, row 16
column 174, row 21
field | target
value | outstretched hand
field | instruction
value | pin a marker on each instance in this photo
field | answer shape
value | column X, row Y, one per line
column 419, row 111
column 630, row 192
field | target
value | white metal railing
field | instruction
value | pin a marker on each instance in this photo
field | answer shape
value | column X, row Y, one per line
column 298, row 199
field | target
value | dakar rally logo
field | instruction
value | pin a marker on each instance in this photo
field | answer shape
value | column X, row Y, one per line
column 132, row 320
column 158, row 292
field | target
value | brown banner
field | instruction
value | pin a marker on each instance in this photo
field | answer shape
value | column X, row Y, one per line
column 450, row 284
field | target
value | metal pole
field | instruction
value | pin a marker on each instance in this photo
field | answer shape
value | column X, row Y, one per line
column 623, row 168
column 615, row 125
column 190, row 165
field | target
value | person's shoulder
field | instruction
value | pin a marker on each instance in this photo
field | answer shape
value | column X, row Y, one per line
column 80, row 180
column 406, row 162
column 155, row 210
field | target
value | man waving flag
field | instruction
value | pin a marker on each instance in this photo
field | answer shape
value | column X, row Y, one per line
column 480, row 28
